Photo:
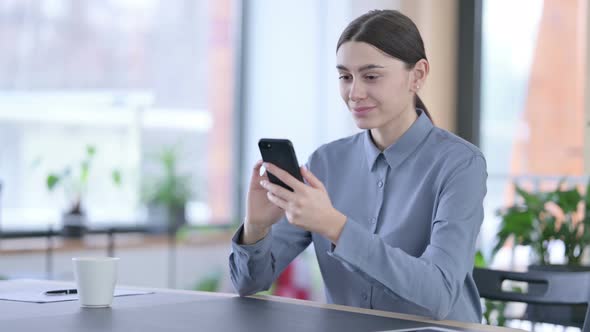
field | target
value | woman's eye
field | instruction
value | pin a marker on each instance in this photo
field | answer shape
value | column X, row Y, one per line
column 344, row 77
column 371, row 77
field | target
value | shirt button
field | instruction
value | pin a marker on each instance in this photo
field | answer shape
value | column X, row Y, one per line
column 364, row 296
column 380, row 184
column 373, row 220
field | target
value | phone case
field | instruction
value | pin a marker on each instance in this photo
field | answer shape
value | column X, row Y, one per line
column 280, row 152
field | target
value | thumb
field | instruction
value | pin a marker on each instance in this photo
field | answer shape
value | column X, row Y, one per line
column 311, row 179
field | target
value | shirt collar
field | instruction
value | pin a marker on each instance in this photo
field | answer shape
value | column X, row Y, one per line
column 396, row 153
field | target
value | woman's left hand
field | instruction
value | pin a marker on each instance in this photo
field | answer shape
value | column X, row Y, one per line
column 308, row 206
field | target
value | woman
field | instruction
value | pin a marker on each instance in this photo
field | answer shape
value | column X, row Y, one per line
column 394, row 211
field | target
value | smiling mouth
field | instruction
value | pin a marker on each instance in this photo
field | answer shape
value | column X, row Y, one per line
column 362, row 110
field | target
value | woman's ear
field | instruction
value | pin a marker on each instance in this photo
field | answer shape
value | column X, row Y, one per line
column 420, row 72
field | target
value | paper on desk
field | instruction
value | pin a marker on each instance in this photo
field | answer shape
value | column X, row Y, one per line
column 37, row 296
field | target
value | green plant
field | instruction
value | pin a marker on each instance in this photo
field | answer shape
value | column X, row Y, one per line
column 171, row 190
column 74, row 180
column 210, row 283
column 543, row 216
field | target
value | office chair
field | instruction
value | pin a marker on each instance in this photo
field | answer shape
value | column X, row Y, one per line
column 544, row 287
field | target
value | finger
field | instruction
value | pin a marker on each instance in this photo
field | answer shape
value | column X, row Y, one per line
column 278, row 191
column 311, row 179
column 284, row 176
column 256, row 170
column 277, row 200
column 255, row 178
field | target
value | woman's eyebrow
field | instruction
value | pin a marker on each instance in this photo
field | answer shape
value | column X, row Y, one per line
column 363, row 68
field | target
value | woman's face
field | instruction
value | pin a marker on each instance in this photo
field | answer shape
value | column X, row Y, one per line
column 377, row 88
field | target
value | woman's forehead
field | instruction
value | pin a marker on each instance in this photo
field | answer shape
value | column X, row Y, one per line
column 355, row 55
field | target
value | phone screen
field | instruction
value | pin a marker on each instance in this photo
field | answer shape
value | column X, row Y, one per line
column 280, row 152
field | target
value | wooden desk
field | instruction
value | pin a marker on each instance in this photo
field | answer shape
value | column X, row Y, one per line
column 174, row 310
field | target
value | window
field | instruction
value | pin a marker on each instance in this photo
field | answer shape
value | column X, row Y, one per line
column 129, row 78
column 532, row 97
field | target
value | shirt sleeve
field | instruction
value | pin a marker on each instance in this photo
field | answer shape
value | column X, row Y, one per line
column 255, row 267
column 434, row 280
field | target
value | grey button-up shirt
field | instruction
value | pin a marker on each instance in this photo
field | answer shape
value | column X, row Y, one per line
column 413, row 215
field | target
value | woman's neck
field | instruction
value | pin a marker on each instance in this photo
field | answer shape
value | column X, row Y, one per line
column 388, row 134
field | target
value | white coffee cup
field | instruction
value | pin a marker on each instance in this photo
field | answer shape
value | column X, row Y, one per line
column 95, row 279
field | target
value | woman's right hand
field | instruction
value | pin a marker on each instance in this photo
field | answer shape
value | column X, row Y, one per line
column 261, row 214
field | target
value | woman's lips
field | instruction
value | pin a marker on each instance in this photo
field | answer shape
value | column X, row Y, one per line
column 362, row 110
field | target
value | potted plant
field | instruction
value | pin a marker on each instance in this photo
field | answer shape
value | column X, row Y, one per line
column 538, row 219
column 167, row 193
column 74, row 181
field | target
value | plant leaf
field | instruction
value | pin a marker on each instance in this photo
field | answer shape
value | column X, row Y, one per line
column 480, row 261
column 116, row 175
column 52, row 180
column 567, row 200
column 533, row 201
column 84, row 171
column 90, row 150
column 518, row 222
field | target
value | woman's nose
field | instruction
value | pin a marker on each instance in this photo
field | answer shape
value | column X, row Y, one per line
column 357, row 92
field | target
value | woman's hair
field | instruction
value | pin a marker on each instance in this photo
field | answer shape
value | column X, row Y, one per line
column 393, row 33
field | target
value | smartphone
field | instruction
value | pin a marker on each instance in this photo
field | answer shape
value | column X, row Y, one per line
column 280, row 152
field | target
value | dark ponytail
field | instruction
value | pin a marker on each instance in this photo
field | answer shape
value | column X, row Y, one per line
column 420, row 104
column 393, row 33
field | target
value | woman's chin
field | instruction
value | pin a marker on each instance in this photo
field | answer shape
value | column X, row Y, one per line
column 364, row 124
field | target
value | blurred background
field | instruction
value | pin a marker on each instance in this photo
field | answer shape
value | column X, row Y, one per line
column 129, row 127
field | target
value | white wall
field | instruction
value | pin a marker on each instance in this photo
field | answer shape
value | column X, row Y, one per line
column 290, row 79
